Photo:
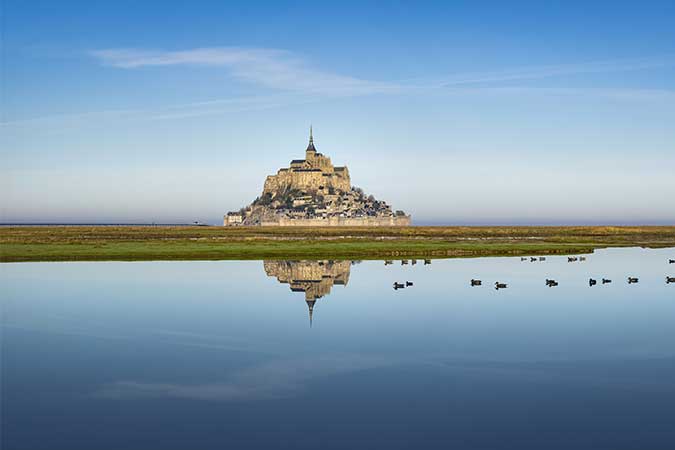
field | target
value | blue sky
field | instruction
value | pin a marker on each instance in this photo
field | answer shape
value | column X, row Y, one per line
column 458, row 113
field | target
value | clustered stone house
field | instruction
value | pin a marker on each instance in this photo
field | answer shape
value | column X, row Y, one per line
column 312, row 192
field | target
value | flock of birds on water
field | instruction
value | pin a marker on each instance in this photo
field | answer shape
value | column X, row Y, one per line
column 549, row 282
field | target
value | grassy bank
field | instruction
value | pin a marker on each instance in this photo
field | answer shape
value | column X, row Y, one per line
column 121, row 243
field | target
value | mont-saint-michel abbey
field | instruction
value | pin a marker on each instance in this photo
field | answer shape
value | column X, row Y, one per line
column 313, row 192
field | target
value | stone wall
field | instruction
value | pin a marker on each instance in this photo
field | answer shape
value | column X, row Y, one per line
column 306, row 180
column 399, row 221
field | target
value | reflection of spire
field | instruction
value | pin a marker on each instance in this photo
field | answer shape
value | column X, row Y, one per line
column 310, row 304
column 313, row 278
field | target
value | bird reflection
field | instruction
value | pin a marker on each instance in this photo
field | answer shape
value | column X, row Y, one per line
column 314, row 278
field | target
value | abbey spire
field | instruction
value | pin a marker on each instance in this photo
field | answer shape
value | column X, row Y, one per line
column 310, row 147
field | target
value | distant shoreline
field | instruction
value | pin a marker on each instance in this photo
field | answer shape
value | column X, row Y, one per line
column 423, row 224
column 190, row 242
column 84, row 224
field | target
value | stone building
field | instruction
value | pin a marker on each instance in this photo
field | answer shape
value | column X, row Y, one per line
column 315, row 173
column 313, row 192
column 234, row 218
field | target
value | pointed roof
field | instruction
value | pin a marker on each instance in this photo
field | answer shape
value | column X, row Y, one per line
column 310, row 147
column 310, row 304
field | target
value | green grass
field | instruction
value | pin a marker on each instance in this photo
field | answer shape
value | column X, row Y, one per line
column 64, row 243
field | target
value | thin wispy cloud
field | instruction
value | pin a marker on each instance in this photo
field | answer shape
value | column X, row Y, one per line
column 282, row 69
column 275, row 69
column 619, row 94
column 550, row 71
column 292, row 80
column 176, row 111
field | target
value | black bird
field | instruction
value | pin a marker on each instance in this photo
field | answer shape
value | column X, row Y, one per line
column 414, row 261
column 533, row 259
column 551, row 283
column 671, row 261
column 605, row 281
column 632, row 280
column 499, row 285
column 541, row 258
column 592, row 282
column 398, row 285
column 408, row 283
column 670, row 280
column 476, row 282
column 387, row 262
column 427, row 261
column 522, row 258
column 571, row 258
column 582, row 258
column 404, row 262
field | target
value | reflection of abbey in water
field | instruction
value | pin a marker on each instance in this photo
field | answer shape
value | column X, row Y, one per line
column 314, row 278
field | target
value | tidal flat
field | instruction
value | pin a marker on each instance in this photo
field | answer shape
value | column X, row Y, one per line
column 147, row 243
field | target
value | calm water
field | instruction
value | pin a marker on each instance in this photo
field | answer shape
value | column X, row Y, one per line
column 221, row 354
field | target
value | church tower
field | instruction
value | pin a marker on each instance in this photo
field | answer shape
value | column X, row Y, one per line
column 310, row 153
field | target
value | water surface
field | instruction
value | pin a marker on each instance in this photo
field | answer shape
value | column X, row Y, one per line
column 223, row 354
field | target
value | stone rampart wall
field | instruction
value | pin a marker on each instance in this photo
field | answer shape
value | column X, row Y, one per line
column 308, row 181
column 400, row 221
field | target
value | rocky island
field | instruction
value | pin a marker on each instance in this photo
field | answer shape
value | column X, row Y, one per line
column 313, row 192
